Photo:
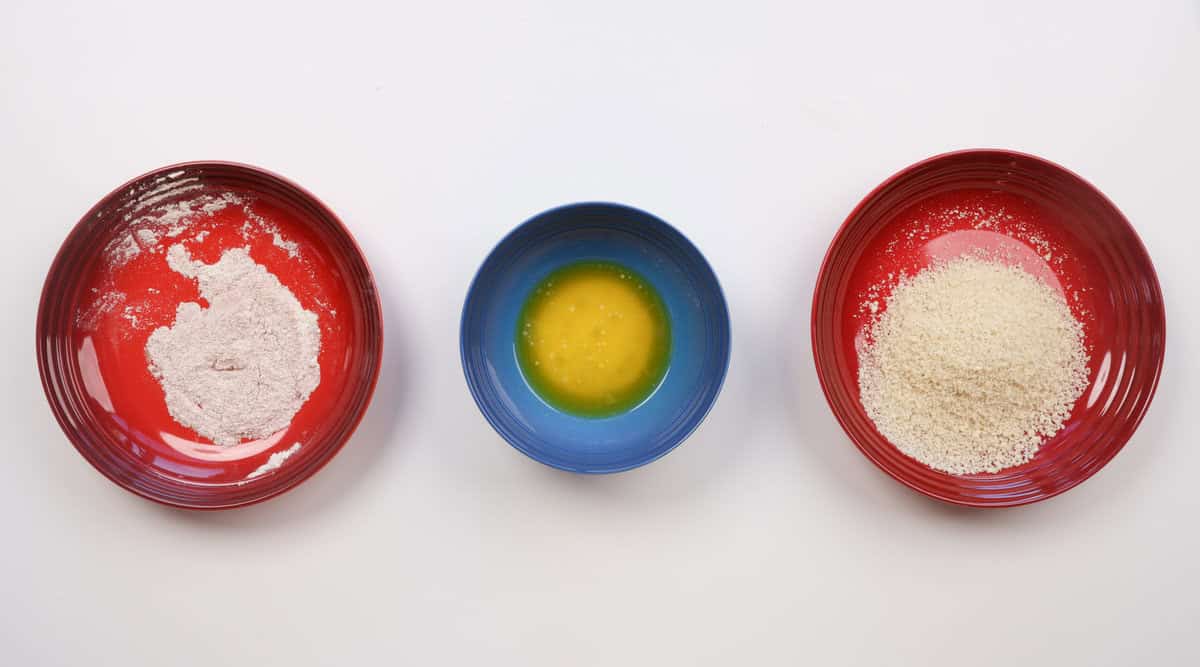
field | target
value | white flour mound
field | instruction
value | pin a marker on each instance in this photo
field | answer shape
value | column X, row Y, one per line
column 241, row 368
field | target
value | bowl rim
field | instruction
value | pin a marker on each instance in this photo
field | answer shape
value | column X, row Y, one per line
column 475, row 390
column 81, row 443
column 823, row 278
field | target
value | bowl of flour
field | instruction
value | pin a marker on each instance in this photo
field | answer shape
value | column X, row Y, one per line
column 209, row 335
column 988, row 328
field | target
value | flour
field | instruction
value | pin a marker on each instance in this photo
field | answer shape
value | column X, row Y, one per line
column 152, row 219
column 290, row 247
column 122, row 249
column 105, row 303
column 241, row 368
column 274, row 462
column 171, row 207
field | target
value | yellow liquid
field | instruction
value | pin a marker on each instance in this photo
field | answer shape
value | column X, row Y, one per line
column 594, row 339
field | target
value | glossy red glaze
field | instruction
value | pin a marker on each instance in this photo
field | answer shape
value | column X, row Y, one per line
column 93, row 363
column 1053, row 224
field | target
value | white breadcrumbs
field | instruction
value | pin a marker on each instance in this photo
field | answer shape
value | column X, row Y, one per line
column 971, row 365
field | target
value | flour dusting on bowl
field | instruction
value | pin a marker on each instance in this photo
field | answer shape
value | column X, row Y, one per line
column 266, row 328
column 170, row 209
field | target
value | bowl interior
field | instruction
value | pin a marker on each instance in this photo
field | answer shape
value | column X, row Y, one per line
column 1056, row 226
column 110, row 287
column 699, row 330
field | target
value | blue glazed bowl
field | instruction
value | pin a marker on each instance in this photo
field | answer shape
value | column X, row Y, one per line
column 699, row 337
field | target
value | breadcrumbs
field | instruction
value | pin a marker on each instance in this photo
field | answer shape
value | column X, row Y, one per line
column 971, row 365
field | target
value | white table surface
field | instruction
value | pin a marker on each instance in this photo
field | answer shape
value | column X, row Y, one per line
column 432, row 128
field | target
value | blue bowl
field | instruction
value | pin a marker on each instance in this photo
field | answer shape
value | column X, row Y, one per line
column 699, row 337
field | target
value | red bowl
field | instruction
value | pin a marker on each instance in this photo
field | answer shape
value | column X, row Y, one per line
column 109, row 287
column 1064, row 230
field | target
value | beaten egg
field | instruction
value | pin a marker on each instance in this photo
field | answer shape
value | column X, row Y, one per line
column 594, row 339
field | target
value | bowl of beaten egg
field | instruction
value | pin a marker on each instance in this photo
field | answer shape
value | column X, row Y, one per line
column 595, row 338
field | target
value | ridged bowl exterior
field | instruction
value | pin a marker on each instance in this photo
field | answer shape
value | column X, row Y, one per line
column 91, row 431
column 1127, row 334
column 700, row 334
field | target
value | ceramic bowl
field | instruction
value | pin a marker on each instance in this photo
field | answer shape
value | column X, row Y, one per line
column 109, row 287
column 1057, row 226
column 700, row 342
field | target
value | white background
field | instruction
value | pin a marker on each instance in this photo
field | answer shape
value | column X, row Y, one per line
column 434, row 127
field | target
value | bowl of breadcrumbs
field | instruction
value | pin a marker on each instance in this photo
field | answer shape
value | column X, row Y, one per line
column 988, row 328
